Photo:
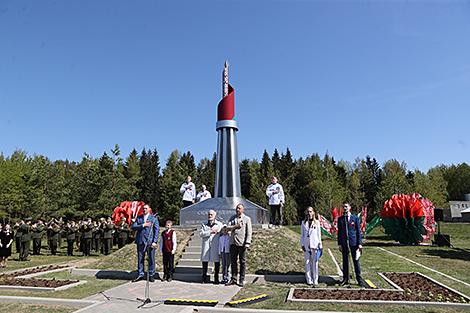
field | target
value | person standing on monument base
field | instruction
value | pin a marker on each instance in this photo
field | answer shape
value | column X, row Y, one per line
column 240, row 227
column 204, row 194
column 350, row 239
column 310, row 241
column 188, row 189
column 275, row 194
column 210, row 246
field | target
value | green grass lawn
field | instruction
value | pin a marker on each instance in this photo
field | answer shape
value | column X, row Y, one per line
column 90, row 288
column 26, row 308
column 46, row 258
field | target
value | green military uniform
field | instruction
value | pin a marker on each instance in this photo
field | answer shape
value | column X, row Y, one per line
column 25, row 241
column 18, row 234
column 60, row 223
column 108, row 229
column 123, row 234
column 70, row 235
column 37, row 233
column 87, row 236
column 97, row 237
column 53, row 236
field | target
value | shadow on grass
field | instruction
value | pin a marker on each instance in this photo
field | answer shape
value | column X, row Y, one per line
column 382, row 244
column 269, row 272
column 454, row 254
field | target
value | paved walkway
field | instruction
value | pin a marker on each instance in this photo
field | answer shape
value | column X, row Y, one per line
column 122, row 298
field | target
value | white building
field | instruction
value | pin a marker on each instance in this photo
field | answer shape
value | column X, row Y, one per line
column 456, row 208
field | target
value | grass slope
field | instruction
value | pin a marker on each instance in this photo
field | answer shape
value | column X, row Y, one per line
column 26, row 308
column 278, row 251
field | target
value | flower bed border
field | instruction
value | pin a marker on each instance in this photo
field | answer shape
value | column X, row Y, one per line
column 290, row 296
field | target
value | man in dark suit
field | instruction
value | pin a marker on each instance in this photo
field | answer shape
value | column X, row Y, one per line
column 350, row 238
column 146, row 239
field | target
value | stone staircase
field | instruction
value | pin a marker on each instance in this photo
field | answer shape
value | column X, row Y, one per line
column 189, row 266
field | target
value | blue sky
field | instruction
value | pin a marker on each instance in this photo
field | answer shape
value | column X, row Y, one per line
column 354, row 78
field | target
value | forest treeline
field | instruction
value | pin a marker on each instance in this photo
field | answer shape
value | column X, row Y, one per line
column 35, row 186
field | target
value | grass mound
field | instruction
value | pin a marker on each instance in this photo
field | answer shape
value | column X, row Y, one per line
column 278, row 251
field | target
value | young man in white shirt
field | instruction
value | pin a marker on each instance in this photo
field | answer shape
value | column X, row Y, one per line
column 204, row 194
column 275, row 194
column 188, row 189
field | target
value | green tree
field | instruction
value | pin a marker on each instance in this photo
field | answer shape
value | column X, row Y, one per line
column 432, row 186
column 172, row 178
column 394, row 181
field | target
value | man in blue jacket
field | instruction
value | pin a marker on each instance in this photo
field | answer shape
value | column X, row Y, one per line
column 147, row 228
column 349, row 232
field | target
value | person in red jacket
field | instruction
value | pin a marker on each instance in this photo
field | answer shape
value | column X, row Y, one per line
column 168, row 247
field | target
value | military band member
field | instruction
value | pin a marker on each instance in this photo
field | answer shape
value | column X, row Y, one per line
column 97, row 236
column 70, row 233
column 17, row 235
column 87, row 236
column 108, row 230
column 123, row 233
column 37, row 234
column 53, row 236
column 25, row 240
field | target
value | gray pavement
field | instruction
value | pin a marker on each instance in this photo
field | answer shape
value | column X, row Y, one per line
column 123, row 298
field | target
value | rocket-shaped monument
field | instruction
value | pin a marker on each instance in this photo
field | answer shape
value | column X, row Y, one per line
column 227, row 193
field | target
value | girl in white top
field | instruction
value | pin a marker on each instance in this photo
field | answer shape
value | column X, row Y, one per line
column 310, row 240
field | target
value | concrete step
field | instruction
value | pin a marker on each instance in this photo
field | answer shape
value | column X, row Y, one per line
column 195, row 244
column 190, row 262
column 191, row 255
column 189, row 270
column 193, row 249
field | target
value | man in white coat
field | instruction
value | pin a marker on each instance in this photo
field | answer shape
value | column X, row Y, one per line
column 204, row 194
column 188, row 189
column 310, row 241
column 275, row 194
column 210, row 246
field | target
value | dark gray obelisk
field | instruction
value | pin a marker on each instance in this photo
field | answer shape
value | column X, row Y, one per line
column 227, row 193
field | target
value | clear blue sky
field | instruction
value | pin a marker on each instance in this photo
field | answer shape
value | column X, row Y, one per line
column 388, row 79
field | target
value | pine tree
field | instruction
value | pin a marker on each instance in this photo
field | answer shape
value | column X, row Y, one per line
column 172, row 178
column 266, row 169
column 205, row 174
column 132, row 174
column 245, row 178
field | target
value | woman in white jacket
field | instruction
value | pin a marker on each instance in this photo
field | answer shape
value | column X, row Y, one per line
column 310, row 240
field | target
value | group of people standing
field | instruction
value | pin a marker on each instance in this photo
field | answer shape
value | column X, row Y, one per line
column 188, row 190
column 226, row 244
column 349, row 242
column 83, row 236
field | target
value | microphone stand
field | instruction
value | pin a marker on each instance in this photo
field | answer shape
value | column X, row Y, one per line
column 147, row 299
